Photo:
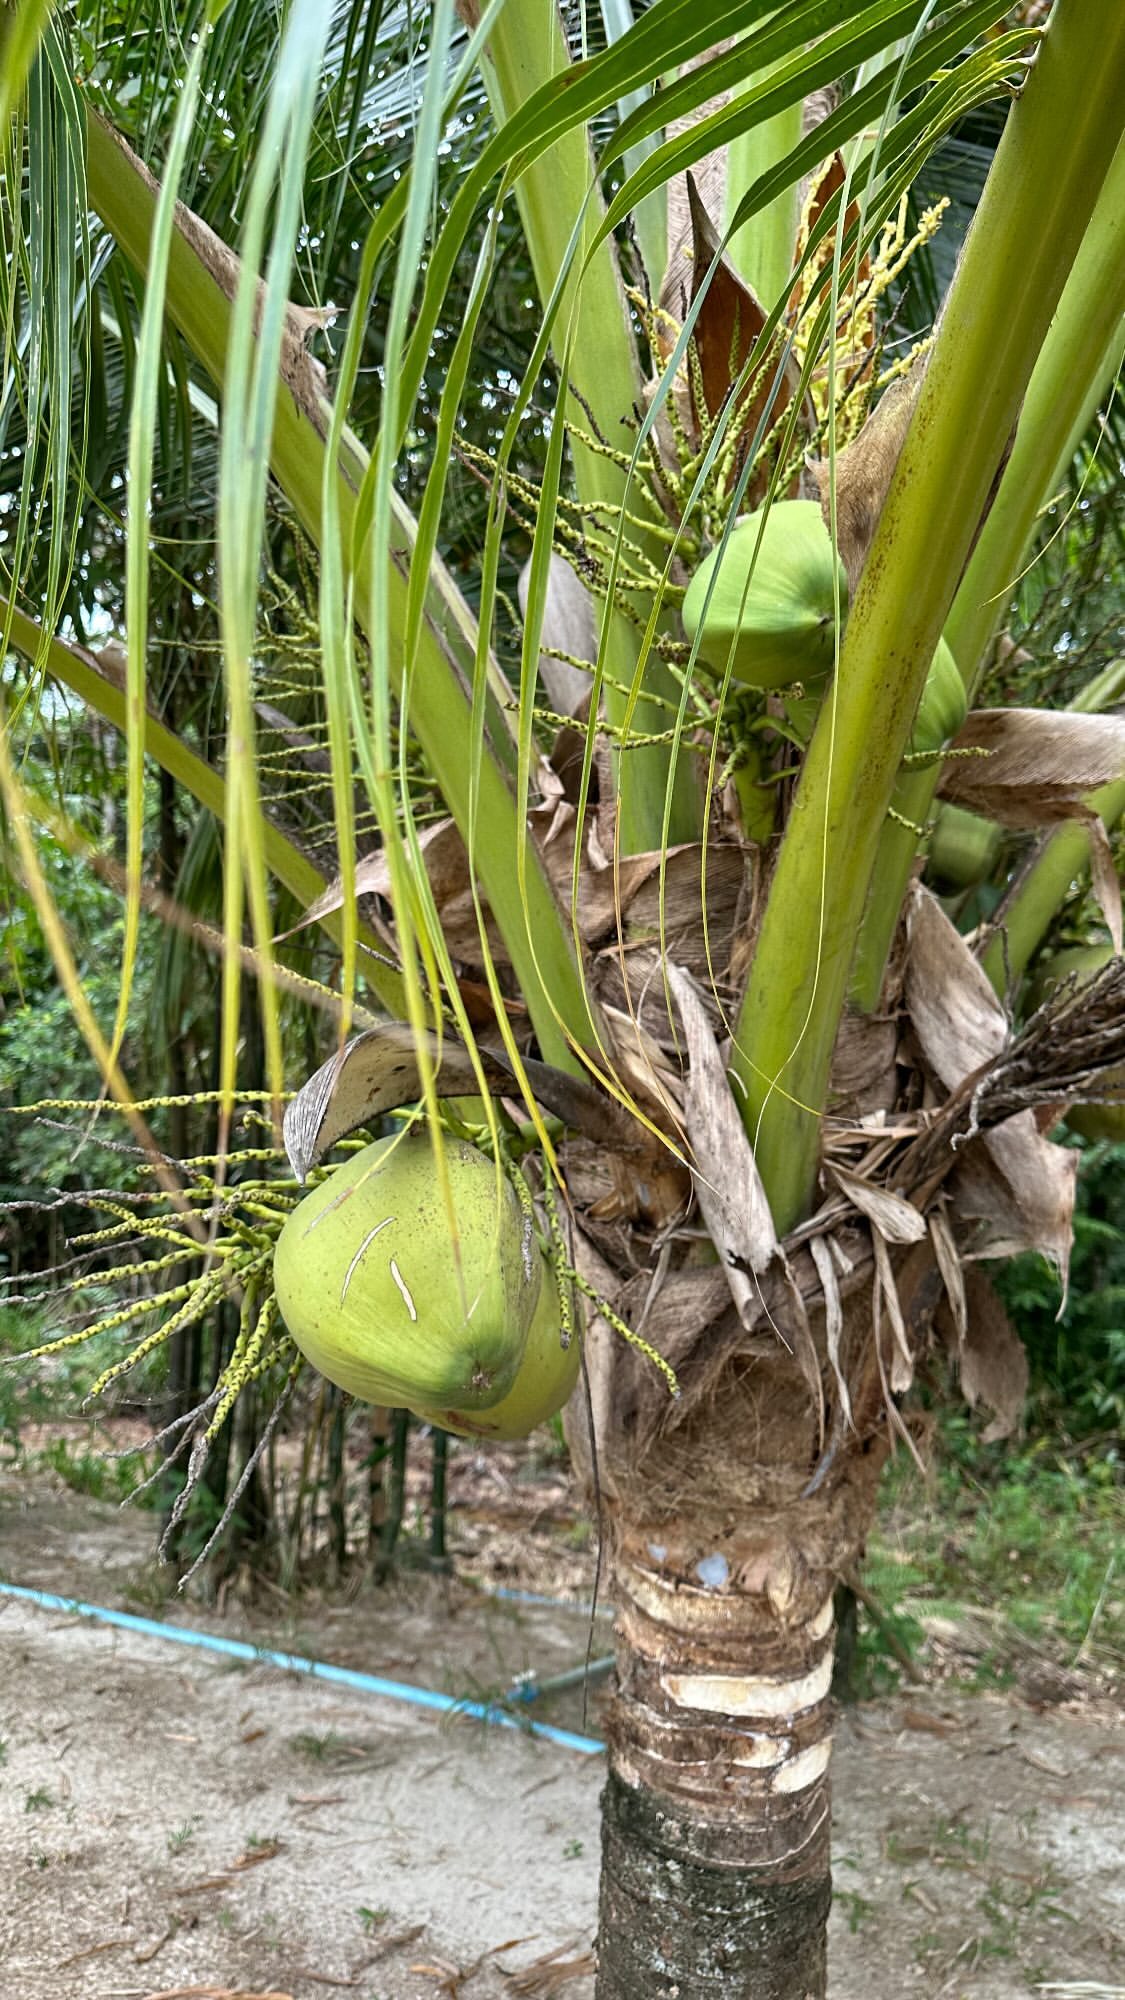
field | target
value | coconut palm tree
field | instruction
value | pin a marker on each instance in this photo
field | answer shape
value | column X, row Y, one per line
column 645, row 918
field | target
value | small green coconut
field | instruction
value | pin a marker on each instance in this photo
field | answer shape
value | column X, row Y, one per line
column 773, row 598
column 544, row 1380
column 942, row 708
column 1101, row 1121
column 370, row 1288
column 1085, row 960
column 963, row 848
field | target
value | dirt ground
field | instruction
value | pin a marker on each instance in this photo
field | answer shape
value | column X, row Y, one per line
column 175, row 1823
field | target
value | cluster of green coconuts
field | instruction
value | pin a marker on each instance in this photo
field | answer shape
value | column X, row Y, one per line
column 368, row 1279
column 763, row 604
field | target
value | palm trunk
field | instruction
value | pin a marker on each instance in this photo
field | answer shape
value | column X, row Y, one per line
column 730, row 1516
column 715, row 1856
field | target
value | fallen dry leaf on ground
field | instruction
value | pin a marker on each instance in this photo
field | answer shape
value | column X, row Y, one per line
column 263, row 1850
column 329, row 1978
column 215, row 1993
column 551, row 1973
column 92, row 1950
column 145, row 1953
column 931, row 1725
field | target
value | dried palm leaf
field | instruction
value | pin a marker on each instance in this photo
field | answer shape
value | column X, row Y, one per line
column 728, row 1186
column 864, row 470
column 1031, row 766
column 1037, row 767
column 380, row 1070
column 991, row 1359
column 825, row 1263
column 569, row 628
column 895, row 1218
column 1025, row 1192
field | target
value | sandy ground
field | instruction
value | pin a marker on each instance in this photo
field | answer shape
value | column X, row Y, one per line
column 174, row 1824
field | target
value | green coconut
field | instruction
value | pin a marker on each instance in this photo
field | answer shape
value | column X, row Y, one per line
column 772, row 600
column 941, row 709
column 544, row 1380
column 963, row 848
column 1083, row 959
column 1101, row 1121
column 943, row 706
column 372, row 1291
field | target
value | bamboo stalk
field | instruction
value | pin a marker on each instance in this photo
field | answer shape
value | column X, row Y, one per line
column 1057, row 145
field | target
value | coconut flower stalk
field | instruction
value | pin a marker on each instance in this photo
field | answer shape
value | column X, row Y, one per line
column 620, row 938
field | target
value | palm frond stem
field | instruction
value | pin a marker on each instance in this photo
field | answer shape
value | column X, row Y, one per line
column 536, row 933
column 1079, row 357
column 1058, row 144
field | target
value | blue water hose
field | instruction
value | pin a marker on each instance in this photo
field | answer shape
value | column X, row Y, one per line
column 508, row 1596
column 294, row 1663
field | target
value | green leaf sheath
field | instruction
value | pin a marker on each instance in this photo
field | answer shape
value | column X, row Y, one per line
column 1063, row 860
column 1076, row 362
column 1059, row 141
column 549, row 975
column 1080, row 356
column 557, row 192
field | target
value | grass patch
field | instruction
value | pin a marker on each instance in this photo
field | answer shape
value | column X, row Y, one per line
column 1034, row 1533
column 56, row 1386
column 52, row 1390
column 96, row 1474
